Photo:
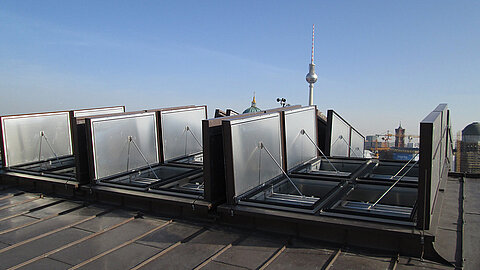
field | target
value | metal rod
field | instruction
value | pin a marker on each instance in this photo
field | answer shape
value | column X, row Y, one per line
column 128, row 152
column 260, row 167
column 186, row 141
column 40, row 151
column 195, row 137
column 144, row 158
column 303, row 132
column 262, row 146
column 339, row 137
column 390, row 188
column 349, row 146
column 49, row 146
column 404, row 166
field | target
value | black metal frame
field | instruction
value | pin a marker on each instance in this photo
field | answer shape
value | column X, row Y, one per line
column 162, row 186
column 79, row 157
column 299, row 171
column 328, row 134
column 79, row 145
column 412, row 214
column 434, row 132
column 214, row 165
column 66, row 162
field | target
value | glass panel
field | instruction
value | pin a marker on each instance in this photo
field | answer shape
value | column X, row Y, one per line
column 182, row 132
column 283, row 192
column 323, row 167
column 339, row 138
column 398, row 203
column 36, row 137
column 146, row 176
column 98, row 111
column 113, row 150
column 194, row 159
column 357, row 144
column 252, row 165
column 299, row 148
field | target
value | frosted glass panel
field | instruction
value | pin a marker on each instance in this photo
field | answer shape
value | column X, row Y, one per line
column 252, row 165
column 182, row 132
column 357, row 144
column 299, row 148
column 36, row 137
column 122, row 143
column 98, row 111
column 340, row 137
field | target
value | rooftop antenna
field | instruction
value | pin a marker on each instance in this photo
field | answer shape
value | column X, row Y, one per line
column 311, row 76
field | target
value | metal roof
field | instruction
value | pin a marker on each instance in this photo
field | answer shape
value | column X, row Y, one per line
column 43, row 232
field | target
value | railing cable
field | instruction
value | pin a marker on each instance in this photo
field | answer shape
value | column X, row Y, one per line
column 262, row 146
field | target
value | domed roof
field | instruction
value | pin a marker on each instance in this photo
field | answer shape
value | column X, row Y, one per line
column 252, row 108
column 472, row 129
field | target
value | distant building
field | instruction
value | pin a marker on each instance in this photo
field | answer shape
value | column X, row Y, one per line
column 252, row 108
column 400, row 137
column 468, row 150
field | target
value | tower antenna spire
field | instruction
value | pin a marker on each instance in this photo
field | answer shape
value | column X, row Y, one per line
column 313, row 42
column 311, row 76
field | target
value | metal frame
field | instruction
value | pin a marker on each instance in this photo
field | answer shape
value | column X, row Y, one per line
column 161, row 128
column 433, row 164
column 410, row 180
column 283, row 114
column 91, row 136
column 328, row 140
column 74, row 166
column 301, row 170
column 213, row 154
column 165, row 185
column 331, row 202
column 83, row 113
column 80, row 139
column 4, row 151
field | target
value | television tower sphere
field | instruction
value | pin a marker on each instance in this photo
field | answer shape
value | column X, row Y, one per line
column 311, row 76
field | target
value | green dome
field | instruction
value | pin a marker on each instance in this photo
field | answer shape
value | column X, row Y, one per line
column 252, row 108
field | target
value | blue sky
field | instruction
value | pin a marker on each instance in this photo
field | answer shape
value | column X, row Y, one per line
column 379, row 62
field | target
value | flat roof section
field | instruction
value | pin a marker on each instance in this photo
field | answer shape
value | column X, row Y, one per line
column 71, row 235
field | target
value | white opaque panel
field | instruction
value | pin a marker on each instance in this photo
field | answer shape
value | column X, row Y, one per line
column 98, row 111
column 357, row 145
column 299, row 148
column 23, row 140
column 340, row 137
column 178, row 140
column 112, row 148
column 252, row 165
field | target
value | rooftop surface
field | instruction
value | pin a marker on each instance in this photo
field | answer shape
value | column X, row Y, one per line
column 38, row 231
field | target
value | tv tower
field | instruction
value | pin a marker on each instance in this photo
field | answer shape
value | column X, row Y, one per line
column 311, row 76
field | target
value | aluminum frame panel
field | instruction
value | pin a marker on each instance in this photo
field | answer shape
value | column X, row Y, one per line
column 357, row 144
column 111, row 145
column 177, row 141
column 252, row 166
column 23, row 141
column 98, row 111
column 340, row 136
column 299, row 149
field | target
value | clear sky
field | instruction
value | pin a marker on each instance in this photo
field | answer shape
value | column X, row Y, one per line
column 379, row 62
